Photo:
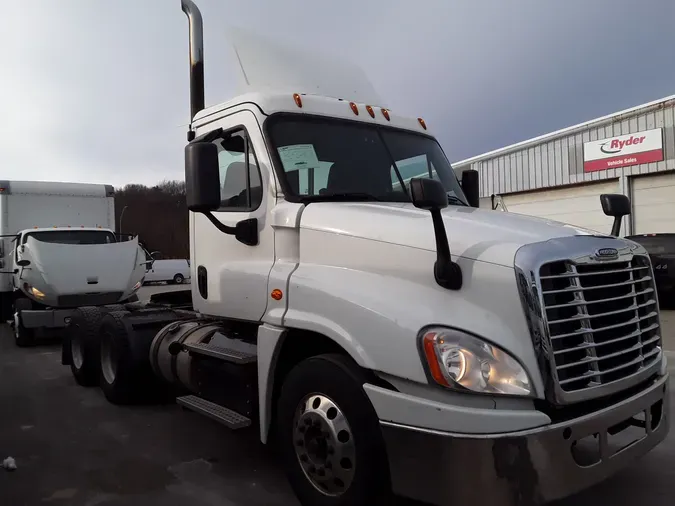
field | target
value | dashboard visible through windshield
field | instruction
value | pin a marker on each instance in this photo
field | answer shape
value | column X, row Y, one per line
column 328, row 159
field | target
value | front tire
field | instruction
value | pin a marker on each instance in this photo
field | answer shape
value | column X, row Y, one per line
column 329, row 435
column 178, row 279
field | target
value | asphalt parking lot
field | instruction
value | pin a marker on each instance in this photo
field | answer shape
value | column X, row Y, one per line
column 73, row 448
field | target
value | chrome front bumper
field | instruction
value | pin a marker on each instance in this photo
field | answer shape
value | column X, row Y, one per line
column 523, row 468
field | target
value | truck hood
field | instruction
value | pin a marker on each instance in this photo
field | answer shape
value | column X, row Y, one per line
column 86, row 268
column 477, row 234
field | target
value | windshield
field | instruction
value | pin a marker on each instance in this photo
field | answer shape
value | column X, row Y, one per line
column 73, row 237
column 325, row 159
column 662, row 244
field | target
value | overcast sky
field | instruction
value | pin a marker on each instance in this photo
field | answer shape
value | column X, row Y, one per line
column 97, row 90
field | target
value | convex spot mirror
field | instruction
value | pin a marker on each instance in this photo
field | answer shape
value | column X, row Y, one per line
column 615, row 204
column 428, row 194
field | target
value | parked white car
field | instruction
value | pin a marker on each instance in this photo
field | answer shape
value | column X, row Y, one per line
column 174, row 271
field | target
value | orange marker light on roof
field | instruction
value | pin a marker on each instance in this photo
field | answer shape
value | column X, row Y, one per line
column 298, row 99
column 385, row 113
column 370, row 111
column 355, row 109
column 277, row 294
column 422, row 122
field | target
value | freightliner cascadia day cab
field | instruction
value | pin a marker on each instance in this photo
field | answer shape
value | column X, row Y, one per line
column 59, row 251
column 387, row 336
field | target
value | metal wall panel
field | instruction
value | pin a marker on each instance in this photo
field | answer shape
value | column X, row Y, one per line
column 557, row 160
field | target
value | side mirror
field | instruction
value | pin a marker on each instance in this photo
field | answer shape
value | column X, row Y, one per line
column 202, row 177
column 470, row 187
column 23, row 262
column 428, row 194
column 617, row 206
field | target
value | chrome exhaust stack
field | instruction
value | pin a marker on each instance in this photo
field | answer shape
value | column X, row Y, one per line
column 196, row 34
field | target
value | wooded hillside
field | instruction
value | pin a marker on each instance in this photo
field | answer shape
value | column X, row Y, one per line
column 158, row 215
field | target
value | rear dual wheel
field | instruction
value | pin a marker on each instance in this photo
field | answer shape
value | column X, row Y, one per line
column 82, row 340
column 329, row 435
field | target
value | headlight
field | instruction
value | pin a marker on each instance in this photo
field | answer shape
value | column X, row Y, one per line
column 463, row 362
column 36, row 293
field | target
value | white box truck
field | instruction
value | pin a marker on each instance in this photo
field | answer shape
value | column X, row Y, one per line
column 59, row 250
column 46, row 204
column 390, row 338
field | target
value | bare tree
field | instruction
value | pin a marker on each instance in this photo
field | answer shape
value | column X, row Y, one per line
column 158, row 215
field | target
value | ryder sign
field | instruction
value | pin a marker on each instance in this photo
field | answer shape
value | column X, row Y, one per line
column 624, row 150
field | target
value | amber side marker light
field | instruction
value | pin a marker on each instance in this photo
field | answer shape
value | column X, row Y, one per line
column 354, row 108
column 298, row 99
column 385, row 113
column 422, row 122
column 370, row 111
column 428, row 342
column 277, row 294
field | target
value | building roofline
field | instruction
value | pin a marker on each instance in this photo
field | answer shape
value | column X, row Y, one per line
column 558, row 133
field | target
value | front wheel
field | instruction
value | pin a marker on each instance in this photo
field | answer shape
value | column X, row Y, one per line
column 329, row 435
column 178, row 279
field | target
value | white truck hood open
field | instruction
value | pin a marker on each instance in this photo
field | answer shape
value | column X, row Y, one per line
column 85, row 268
column 488, row 236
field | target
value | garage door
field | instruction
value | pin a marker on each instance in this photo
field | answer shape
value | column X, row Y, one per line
column 578, row 205
column 654, row 204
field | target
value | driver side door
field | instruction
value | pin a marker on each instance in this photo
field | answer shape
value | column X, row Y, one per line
column 230, row 277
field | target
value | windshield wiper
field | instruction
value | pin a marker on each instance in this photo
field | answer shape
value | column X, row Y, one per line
column 343, row 196
column 456, row 200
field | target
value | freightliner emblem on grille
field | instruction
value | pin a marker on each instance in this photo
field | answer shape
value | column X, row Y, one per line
column 607, row 253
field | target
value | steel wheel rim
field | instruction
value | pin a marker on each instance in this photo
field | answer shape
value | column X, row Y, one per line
column 324, row 444
column 108, row 359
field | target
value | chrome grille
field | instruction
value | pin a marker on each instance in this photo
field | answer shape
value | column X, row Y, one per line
column 601, row 318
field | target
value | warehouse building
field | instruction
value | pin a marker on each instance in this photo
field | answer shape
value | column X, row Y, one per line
column 562, row 174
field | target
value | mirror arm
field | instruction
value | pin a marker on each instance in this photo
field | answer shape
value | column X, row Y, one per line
column 218, row 224
column 447, row 273
column 616, row 226
column 246, row 231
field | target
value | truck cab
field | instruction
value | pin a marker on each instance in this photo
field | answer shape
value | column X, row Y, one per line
column 56, row 269
column 394, row 314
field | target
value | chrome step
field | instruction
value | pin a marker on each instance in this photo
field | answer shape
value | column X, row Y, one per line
column 221, row 352
column 227, row 417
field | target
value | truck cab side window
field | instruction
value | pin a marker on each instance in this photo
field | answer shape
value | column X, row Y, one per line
column 240, row 181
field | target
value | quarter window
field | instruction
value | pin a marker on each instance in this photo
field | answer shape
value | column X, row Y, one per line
column 240, row 182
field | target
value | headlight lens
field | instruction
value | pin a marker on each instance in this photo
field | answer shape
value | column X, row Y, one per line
column 36, row 293
column 463, row 362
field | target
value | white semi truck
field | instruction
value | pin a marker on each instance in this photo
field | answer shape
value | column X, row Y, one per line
column 59, row 251
column 388, row 338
